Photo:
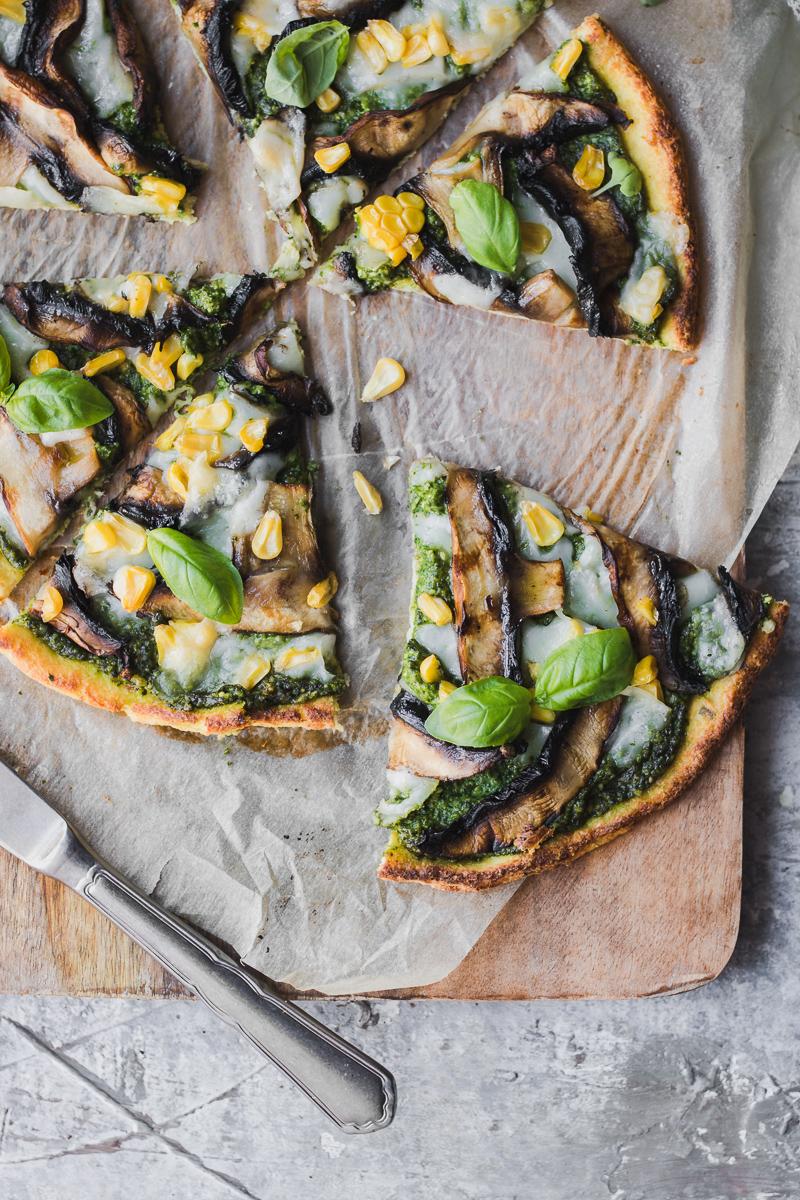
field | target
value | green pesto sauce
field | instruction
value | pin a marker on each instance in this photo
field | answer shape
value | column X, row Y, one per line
column 433, row 572
column 587, row 85
column 378, row 279
column 18, row 558
column 428, row 498
column 367, row 102
column 145, row 392
column 261, row 105
column 296, row 469
column 210, row 297
column 125, row 119
column 611, row 785
column 73, row 357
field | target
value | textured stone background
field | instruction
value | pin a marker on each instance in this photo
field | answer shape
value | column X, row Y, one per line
column 693, row 1097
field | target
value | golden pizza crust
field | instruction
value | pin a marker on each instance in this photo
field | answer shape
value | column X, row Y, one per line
column 710, row 718
column 83, row 681
column 654, row 144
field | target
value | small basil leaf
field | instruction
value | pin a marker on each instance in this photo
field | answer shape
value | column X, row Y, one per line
column 304, row 63
column 57, row 400
column 586, row 670
column 488, row 712
column 488, row 224
column 5, row 365
column 198, row 574
column 624, row 175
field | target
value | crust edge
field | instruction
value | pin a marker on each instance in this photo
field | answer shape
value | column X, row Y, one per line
column 711, row 716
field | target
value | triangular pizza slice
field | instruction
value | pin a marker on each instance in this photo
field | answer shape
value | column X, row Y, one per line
column 565, row 201
column 87, row 369
column 196, row 597
column 331, row 97
column 81, row 126
column 559, row 681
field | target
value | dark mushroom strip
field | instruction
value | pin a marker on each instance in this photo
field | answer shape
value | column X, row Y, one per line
column 482, row 552
column 353, row 13
column 59, row 315
column 632, row 583
column 411, row 748
column 674, row 672
column 545, row 297
column 276, row 602
column 435, row 262
column 75, row 620
column 148, row 501
column 49, row 27
column 282, row 435
column 536, row 587
column 207, row 24
column 295, row 391
column 300, row 550
column 524, row 823
column 134, row 59
column 746, row 606
column 132, row 424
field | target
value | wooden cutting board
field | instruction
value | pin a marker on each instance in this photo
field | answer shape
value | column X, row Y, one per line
column 656, row 911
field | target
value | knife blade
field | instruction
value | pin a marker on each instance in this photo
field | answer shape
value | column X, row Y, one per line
column 356, row 1092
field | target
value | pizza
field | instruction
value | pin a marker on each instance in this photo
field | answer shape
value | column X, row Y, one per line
column 87, row 369
column 331, row 97
column 559, row 681
column 565, row 201
column 196, row 597
column 80, row 125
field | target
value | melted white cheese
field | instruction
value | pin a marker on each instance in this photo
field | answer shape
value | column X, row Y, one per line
column 424, row 470
column 94, row 62
column 642, row 716
column 10, row 38
column 696, row 589
column 278, row 148
column 557, row 255
column 285, row 352
column 538, row 641
column 407, row 793
column 463, row 292
column 326, row 201
column 525, row 544
column 441, row 640
column 22, row 345
column 33, row 191
column 434, row 530
column 589, row 594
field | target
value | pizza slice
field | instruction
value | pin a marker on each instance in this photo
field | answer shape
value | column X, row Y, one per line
column 564, row 201
column 196, row 598
column 559, row 682
column 330, row 97
column 80, row 125
column 87, row 369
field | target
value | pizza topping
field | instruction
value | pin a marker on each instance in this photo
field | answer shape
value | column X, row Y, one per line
column 132, row 585
column 52, row 603
column 75, row 618
column 368, row 493
column 412, row 748
column 386, row 378
column 43, row 360
column 430, row 669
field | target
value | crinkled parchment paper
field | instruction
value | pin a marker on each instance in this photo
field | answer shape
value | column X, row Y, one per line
column 275, row 854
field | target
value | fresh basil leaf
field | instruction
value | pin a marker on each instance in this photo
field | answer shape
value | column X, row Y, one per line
column 586, row 670
column 198, row 574
column 488, row 224
column 624, row 175
column 304, row 63
column 57, row 400
column 488, row 712
column 5, row 365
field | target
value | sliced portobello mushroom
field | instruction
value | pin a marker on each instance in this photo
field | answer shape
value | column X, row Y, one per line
column 49, row 28
column 746, row 606
column 482, row 555
column 65, row 315
column 525, row 822
column 674, row 672
column 295, row 391
column 75, row 620
column 437, row 263
column 207, row 24
column 131, row 423
column 411, row 748
column 276, row 602
column 536, row 587
column 353, row 13
column 545, row 297
column 148, row 501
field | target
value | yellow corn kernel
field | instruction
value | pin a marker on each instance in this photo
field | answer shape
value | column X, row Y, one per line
column 565, row 58
column 646, row 609
column 654, row 688
column 446, row 689
column 330, row 158
column 533, row 237
column 413, row 245
column 14, row 10
column 166, row 440
column 383, row 241
column 116, row 304
column 645, row 671
column 437, row 40
column 641, row 299
column 166, row 192
column 191, row 443
column 390, row 40
column 368, row 215
column 387, row 377
column 132, row 585
column 52, row 603
column 590, row 169
column 410, row 200
column 129, row 535
column 298, row 658
column 372, row 50
column 430, row 669
column 435, row 609
column 201, row 400
column 139, row 291
column 589, row 514
column 328, row 101
column 253, row 434
column 99, row 536
column 103, row 362
column 43, row 360
column 187, row 364
column 370, row 496
column 162, row 283
column 267, row 541
column 544, row 527
column 545, row 716
column 394, row 225
column 473, row 54
column 397, row 255
column 323, row 592
column 388, row 204
column 177, row 639
column 216, row 416
column 252, row 28
column 155, row 373
column 169, row 352
column 251, row 670
column 413, row 219
column 177, row 478
column 417, row 51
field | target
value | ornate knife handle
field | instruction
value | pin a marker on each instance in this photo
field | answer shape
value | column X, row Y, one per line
column 350, row 1088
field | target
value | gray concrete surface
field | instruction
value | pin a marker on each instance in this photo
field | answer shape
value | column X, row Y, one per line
column 693, row 1097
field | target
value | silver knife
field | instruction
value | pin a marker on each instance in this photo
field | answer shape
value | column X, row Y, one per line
column 354, row 1091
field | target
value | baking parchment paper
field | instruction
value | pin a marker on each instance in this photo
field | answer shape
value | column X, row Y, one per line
column 274, row 852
